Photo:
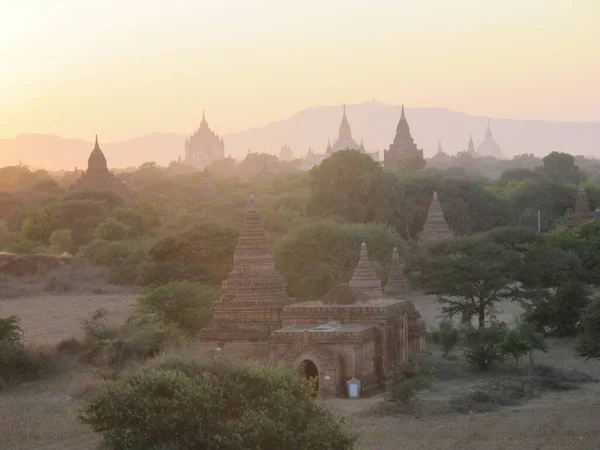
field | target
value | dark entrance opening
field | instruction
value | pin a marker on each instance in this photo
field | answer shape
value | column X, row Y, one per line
column 309, row 370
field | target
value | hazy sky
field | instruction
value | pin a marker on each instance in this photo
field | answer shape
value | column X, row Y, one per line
column 129, row 67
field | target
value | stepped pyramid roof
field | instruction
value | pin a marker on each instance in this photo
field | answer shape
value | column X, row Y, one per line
column 364, row 277
column 254, row 275
column 253, row 294
column 397, row 285
column 435, row 226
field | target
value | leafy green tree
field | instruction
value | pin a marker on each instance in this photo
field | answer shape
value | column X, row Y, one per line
column 470, row 275
column 584, row 241
column 588, row 344
column 412, row 163
column 203, row 253
column 10, row 330
column 111, row 229
column 446, row 336
column 483, row 346
column 519, row 174
column 346, row 185
column 38, row 226
column 558, row 312
column 225, row 167
column 561, row 168
column 61, row 241
column 180, row 303
column 515, row 344
column 534, row 339
column 317, row 256
column 80, row 216
column 214, row 404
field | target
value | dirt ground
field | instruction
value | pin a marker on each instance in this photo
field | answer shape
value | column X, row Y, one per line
column 50, row 319
column 554, row 421
column 42, row 415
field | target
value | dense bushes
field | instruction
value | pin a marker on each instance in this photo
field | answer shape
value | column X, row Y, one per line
column 183, row 304
column 588, row 345
column 214, row 404
column 204, row 253
column 18, row 362
column 315, row 257
column 114, row 346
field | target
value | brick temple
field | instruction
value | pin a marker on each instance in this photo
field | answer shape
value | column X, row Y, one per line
column 98, row 177
column 360, row 330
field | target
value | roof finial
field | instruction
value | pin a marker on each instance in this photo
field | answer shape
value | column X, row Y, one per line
column 439, row 146
column 344, row 110
column 96, row 144
column 402, row 116
column 488, row 123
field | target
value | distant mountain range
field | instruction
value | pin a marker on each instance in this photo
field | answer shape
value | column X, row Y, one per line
column 374, row 122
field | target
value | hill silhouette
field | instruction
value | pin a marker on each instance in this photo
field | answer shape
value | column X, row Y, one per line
column 374, row 122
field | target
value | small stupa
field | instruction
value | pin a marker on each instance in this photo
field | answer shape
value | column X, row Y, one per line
column 435, row 226
column 364, row 277
column 397, row 285
column 581, row 212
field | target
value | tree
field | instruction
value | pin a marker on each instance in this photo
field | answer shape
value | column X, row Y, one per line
column 483, row 346
column 558, row 312
column 214, row 404
column 446, row 336
column 202, row 253
column 412, row 163
column 180, row 303
column 561, row 168
column 345, row 185
column 584, row 241
column 38, row 226
column 470, row 275
column 317, row 256
column 112, row 230
column 61, row 241
column 515, row 344
column 588, row 344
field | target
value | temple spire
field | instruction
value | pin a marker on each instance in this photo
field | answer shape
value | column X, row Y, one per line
column 397, row 285
column 96, row 143
column 435, row 226
column 364, row 277
column 402, row 116
column 440, row 147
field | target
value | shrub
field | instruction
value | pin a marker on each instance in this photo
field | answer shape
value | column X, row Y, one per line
column 406, row 390
column 61, row 241
column 214, row 404
column 446, row 336
column 559, row 313
column 10, row 330
column 494, row 395
column 58, row 283
column 588, row 344
column 183, row 304
column 115, row 346
column 18, row 362
column 515, row 344
column 409, row 381
column 483, row 346
column 203, row 254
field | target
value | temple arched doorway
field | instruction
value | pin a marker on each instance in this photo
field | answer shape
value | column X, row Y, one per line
column 308, row 370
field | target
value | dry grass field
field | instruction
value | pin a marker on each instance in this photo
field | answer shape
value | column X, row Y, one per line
column 50, row 319
column 42, row 415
